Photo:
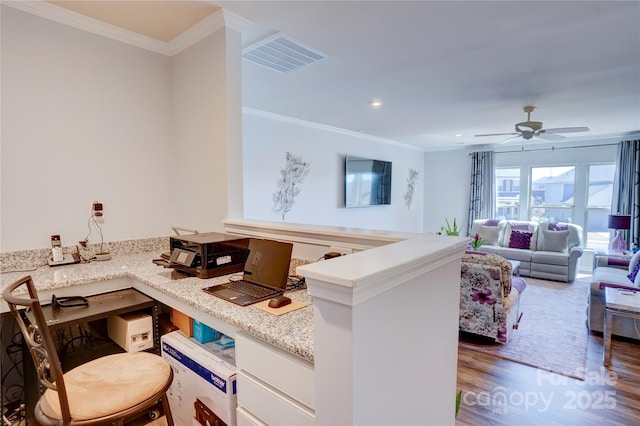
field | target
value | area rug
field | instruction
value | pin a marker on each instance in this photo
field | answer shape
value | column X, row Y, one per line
column 552, row 335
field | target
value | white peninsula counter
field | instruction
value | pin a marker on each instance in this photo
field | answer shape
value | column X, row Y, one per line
column 385, row 323
column 376, row 345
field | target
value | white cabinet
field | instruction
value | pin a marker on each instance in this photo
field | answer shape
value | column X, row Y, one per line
column 274, row 387
column 245, row 418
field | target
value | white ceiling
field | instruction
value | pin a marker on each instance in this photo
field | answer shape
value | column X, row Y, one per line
column 170, row 18
column 450, row 67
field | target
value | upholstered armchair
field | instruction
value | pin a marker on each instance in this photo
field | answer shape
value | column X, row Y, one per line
column 489, row 296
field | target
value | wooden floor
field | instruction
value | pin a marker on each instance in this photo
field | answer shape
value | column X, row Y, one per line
column 501, row 392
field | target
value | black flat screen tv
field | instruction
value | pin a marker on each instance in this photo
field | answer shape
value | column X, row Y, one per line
column 367, row 182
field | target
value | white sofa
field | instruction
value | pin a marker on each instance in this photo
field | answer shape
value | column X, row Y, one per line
column 548, row 251
column 616, row 273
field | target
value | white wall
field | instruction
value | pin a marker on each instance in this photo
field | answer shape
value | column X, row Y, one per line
column 84, row 118
column 446, row 188
column 202, row 117
column 266, row 140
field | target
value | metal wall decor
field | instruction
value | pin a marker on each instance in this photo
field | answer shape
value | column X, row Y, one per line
column 411, row 187
column 289, row 184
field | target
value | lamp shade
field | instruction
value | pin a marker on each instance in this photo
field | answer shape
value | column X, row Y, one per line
column 619, row 221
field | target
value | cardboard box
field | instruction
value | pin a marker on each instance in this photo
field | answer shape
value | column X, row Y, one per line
column 204, row 386
column 182, row 321
column 133, row 331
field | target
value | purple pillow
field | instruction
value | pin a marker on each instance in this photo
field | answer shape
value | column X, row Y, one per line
column 558, row 227
column 520, row 240
column 523, row 226
column 491, row 222
column 632, row 275
column 616, row 261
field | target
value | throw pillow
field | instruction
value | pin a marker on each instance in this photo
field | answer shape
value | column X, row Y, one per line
column 634, row 261
column 521, row 226
column 558, row 226
column 489, row 234
column 491, row 222
column 636, row 282
column 555, row 241
column 634, row 273
column 520, row 239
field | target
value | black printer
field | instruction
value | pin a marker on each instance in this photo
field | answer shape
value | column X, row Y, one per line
column 206, row 255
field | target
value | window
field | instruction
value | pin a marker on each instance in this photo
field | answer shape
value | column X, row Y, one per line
column 507, row 193
column 600, row 191
column 551, row 195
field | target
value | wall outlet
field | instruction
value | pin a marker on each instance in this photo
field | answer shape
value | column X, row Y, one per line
column 97, row 209
column 97, row 212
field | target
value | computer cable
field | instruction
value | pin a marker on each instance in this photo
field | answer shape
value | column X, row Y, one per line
column 296, row 282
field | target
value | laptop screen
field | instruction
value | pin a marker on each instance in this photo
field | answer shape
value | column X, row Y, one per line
column 268, row 262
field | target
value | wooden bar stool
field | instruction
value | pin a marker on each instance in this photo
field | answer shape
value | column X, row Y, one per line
column 113, row 389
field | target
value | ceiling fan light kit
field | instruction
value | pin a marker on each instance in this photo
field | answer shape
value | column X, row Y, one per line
column 528, row 129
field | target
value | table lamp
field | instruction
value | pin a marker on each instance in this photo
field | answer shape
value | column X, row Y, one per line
column 619, row 222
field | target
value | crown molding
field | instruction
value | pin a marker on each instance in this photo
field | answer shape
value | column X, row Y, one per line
column 207, row 26
column 67, row 17
column 235, row 21
column 212, row 23
column 300, row 122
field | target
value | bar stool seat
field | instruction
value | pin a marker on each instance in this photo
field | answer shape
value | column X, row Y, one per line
column 108, row 385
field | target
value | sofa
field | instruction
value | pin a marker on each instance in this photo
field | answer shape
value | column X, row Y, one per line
column 489, row 296
column 617, row 273
column 550, row 251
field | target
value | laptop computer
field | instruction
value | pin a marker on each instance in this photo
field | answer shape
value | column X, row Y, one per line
column 265, row 274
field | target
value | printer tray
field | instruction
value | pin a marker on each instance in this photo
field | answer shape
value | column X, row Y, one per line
column 202, row 273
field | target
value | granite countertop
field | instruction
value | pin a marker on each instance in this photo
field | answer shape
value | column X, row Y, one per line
column 292, row 332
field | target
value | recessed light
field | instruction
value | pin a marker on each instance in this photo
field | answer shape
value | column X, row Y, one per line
column 457, row 135
column 376, row 103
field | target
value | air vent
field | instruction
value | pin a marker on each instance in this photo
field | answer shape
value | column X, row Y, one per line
column 281, row 53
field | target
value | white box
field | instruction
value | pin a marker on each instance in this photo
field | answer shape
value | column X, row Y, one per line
column 203, row 391
column 133, row 331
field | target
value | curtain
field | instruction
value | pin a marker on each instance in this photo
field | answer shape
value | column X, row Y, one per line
column 626, row 188
column 482, row 201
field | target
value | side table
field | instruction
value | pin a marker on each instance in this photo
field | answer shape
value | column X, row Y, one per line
column 618, row 302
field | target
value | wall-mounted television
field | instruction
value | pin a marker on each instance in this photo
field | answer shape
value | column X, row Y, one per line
column 367, row 182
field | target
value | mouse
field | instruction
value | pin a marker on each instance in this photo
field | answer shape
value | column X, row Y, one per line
column 279, row 302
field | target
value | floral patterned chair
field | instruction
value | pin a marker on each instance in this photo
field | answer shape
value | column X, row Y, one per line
column 489, row 296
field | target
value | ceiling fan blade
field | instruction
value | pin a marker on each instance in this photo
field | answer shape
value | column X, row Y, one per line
column 498, row 134
column 512, row 138
column 549, row 136
column 565, row 130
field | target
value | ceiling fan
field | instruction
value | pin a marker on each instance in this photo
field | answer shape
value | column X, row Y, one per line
column 528, row 129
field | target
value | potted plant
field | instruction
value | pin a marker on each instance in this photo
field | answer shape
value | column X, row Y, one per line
column 450, row 229
column 477, row 242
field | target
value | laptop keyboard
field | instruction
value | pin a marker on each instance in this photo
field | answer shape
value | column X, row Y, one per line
column 249, row 288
